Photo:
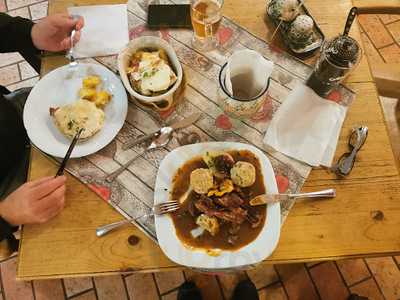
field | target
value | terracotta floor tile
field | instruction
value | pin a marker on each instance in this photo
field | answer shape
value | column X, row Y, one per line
column 13, row 4
column 77, row 285
column 167, row 281
column 26, row 70
column 397, row 259
column 10, row 58
column 170, row 296
column 370, row 51
column 312, row 264
column 371, row 24
column 328, row 282
column 48, row 289
column 394, row 29
column 110, row 287
column 297, row 282
column 90, row 295
column 391, row 54
column 368, row 289
column 14, row 290
column 387, row 275
column 389, row 18
column 229, row 281
column 24, row 83
column 273, row 292
column 353, row 270
column 39, row 10
column 9, row 75
column 141, row 287
column 208, row 284
column 263, row 275
column 20, row 12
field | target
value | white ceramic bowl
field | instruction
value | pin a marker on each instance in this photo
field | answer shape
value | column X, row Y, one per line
column 244, row 257
column 160, row 102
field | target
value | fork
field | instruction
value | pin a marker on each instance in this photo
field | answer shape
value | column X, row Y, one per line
column 159, row 209
column 70, row 54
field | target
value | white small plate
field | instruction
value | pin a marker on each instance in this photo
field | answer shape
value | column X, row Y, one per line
column 253, row 253
column 61, row 87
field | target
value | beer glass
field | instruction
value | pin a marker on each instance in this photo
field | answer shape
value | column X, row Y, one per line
column 206, row 16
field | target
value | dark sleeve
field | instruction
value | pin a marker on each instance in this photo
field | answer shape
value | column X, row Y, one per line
column 6, row 230
column 15, row 34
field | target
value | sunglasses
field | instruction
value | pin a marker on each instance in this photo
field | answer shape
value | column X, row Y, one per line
column 357, row 139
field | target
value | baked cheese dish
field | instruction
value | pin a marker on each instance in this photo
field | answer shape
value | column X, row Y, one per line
column 150, row 73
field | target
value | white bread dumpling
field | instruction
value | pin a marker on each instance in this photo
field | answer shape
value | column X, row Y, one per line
column 70, row 118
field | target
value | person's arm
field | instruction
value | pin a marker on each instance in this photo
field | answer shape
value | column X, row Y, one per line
column 15, row 34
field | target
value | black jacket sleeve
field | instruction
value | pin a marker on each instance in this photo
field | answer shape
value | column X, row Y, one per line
column 15, row 34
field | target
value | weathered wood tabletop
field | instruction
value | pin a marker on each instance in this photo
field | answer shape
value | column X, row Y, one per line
column 362, row 221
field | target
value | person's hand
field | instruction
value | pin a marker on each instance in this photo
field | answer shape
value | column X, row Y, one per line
column 53, row 32
column 34, row 202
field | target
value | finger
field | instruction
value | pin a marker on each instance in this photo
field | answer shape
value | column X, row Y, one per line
column 80, row 24
column 65, row 23
column 65, row 44
column 53, row 201
column 37, row 182
column 51, row 212
column 77, row 37
column 48, row 187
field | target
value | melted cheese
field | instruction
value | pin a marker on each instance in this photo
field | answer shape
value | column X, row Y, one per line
column 153, row 74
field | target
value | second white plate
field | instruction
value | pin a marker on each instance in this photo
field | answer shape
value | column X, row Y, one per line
column 253, row 253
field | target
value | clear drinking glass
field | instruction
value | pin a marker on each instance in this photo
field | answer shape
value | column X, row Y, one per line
column 206, row 16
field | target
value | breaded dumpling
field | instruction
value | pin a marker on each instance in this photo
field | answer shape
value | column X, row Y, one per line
column 91, row 82
column 208, row 223
column 201, row 180
column 243, row 174
column 102, row 98
column 81, row 114
column 87, row 94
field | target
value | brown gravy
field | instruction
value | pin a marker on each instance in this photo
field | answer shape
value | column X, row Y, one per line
column 184, row 222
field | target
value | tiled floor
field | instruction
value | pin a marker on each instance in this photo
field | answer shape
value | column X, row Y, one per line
column 377, row 278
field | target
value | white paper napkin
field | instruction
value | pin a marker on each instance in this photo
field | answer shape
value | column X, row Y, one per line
column 251, row 63
column 306, row 127
column 105, row 31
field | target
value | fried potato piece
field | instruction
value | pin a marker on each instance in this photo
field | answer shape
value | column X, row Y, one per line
column 88, row 94
column 208, row 223
column 91, row 82
column 225, row 187
column 102, row 98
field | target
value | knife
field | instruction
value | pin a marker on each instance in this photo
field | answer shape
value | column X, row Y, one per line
column 69, row 151
column 271, row 198
column 177, row 125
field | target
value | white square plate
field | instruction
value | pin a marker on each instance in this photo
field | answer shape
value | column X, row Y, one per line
column 253, row 253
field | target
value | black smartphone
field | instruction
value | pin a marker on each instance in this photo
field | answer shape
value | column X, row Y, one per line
column 169, row 15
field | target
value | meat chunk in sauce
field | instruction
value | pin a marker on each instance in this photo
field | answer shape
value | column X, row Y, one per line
column 230, row 200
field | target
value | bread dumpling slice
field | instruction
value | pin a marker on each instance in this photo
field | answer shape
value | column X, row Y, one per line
column 70, row 118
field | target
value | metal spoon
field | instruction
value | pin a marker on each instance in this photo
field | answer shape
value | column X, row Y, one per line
column 70, row 54
column 160, row 141
column 357, row 140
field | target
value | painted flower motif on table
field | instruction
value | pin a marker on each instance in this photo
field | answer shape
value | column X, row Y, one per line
column 266, row 111
column 142, row 30
column 223, row 122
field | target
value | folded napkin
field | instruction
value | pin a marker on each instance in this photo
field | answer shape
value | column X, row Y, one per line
column 306, row 127
column 105, row 31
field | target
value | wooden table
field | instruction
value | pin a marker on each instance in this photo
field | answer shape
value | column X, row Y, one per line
column 362, row 221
